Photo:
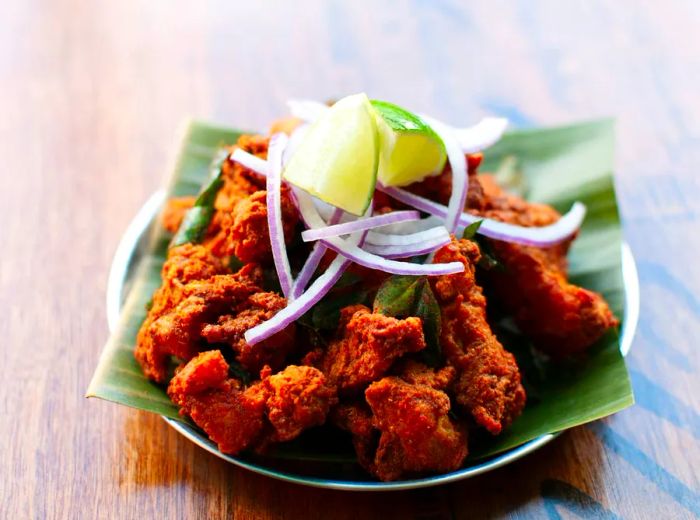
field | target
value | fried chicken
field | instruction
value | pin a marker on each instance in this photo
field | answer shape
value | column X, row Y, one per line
column 417, row 435
column 232, row 417
column 230, row 328
column 239, row 225
column 277, row 408
column 416, row 373
column 355, row 417
column 249, row 238
column 558, row 316
column 195, row 305
column 296, row 398
column 366, row 347
column 488, row 384
column 185, row 264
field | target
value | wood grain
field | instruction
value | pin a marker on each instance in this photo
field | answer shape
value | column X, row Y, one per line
column 91, row 96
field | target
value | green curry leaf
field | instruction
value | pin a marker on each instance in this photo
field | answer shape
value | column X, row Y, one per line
column 404, row 296
column 196, row 222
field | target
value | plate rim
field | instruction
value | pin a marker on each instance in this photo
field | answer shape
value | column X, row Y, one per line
column 124, row 257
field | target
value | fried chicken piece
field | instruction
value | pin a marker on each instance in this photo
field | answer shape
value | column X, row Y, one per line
column 296, row 399
column 561, row 318
column 417, row 435
column 249, row 237
column 276, row 409
column 181, row 310
column 178, row 331
column 185, row 264
column 367, row 345
column 230, row 328
column 416, row 373
column 232, row 417
column 488, row 383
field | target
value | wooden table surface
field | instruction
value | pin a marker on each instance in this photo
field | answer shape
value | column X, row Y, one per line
column 91, row 96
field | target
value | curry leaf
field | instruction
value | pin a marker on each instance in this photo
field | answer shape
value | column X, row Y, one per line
column 471, row 229
column 404, row 296
column 196, row 222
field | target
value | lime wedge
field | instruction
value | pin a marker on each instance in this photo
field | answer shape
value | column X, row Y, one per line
column 410, row 149
column 338, row 157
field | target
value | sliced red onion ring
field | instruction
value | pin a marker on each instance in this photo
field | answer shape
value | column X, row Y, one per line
column 313, row 220
column 543, row 236
column 409, row 228
column 408, row 250
column 387, row 239
column 458, row 165
column 359, row 225
column 274, row 213
column 251, row 161
column 295, row 309
column 482, row 135
column 309, row 268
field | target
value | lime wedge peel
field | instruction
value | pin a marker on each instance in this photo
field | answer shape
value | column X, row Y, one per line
column 410, row 149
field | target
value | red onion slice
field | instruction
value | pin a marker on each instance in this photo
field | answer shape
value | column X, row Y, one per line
column 543, row 236
column 274, row 213
column 297, row 308
column 458, row 165
column 408, row 250
column 482, row 135
column 309, row 268
column 359, row 225
column 386, row 239
column 251, row 161
column 313, row 220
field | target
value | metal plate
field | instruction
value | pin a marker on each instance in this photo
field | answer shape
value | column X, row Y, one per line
column 126, row 258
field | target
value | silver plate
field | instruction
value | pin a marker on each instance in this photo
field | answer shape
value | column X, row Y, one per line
column 132, row 246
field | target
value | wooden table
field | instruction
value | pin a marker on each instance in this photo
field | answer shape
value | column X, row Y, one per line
column 91, row 95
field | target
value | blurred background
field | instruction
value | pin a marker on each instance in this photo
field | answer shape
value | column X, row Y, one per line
column 92, row 94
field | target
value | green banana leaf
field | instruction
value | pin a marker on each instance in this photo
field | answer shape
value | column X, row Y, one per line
column 556, row 166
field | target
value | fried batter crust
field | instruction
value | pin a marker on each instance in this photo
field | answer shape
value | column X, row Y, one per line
column 417, row 435
column 561, row 318
column 367, row 345
column 276, row 409
column 488, row 384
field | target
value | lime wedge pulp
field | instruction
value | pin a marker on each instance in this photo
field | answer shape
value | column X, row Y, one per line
column 338, row 158
column 410, row 150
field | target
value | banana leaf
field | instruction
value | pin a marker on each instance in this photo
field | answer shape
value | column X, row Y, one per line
column 557, row 166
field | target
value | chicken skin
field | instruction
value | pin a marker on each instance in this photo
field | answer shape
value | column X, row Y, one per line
column 488, row 384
